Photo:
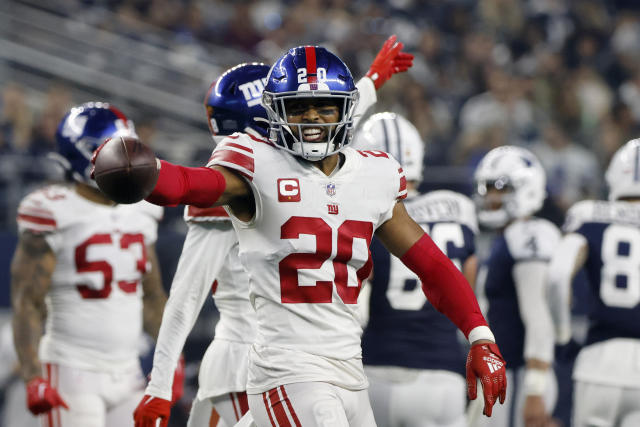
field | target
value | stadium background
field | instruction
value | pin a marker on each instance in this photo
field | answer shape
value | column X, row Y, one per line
column 559, row 77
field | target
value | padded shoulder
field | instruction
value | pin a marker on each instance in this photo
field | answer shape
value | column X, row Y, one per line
column 532, row 239
column 44, row 210
column 238, row 152
column 384, row 164
column 579, row 213
column 443, row 205
column 153, row 211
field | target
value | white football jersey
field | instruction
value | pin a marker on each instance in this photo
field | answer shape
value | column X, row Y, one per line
column 224, row 365
column 230, row 286
column 94, row 304
column 306, row 252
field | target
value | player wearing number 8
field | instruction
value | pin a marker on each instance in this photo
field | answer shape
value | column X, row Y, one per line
column 89, row 267
column 603, row 237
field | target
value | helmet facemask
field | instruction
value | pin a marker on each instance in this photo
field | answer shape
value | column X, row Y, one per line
column 495, row 201
column 293, row 132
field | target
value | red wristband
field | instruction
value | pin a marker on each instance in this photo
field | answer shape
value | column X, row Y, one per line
column 444, row 285
column 200, row 187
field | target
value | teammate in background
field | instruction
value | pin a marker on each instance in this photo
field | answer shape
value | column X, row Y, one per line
column 510, row 189
column 232, row 105
column 305, row 201
column 604, row 238
column 89, row 268
column 410, row 384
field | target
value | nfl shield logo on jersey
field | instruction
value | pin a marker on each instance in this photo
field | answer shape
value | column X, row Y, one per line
column 331, row 189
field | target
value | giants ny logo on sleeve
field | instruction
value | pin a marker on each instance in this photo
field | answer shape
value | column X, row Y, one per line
column 288, row 190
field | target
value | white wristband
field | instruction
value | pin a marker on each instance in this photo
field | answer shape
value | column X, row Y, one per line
column 535, row 381
column 481, row 333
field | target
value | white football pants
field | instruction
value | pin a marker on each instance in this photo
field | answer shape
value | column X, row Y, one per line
column 95, row 399
column 416, row 397
column 312, row 404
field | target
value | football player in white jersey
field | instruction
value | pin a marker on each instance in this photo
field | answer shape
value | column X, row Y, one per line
column 305, row 206
column 603, row 237
column 232, row 105
column 409, row 383
column 86, row 269
column 510, row 189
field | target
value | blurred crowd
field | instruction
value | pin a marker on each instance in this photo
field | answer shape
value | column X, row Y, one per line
column 559, row 77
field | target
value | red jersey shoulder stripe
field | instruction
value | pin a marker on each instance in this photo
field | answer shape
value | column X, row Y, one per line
column 402, row 191
column 197, row 214
column 240, row 162
column 262, row 140
column 36, row 223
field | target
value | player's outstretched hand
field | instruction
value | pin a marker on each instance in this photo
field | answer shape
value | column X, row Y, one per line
column 177, row 389
column 390, row 60
column 485, row 363
column 149, row 410
column 42, row 397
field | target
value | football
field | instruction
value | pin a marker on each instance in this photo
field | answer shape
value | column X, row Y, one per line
column 126, row 170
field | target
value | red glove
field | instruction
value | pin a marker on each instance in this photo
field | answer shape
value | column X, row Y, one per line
column 94, row 156
column 177, row 389
column 485, row 362
column 41, row 397
column 390, row 60
column 149, row 410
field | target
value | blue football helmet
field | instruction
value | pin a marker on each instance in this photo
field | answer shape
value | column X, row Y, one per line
column 233, row 101
column 82, row 130
column 303, row 73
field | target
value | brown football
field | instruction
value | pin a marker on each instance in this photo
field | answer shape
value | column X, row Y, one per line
column 126, row 170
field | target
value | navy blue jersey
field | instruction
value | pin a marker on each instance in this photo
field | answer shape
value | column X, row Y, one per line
column 612, row 233
column 523, row 240
column 404, row 329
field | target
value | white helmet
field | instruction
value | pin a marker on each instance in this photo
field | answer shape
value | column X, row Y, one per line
column 396, row 135
column 516, row 170
column 623, row 173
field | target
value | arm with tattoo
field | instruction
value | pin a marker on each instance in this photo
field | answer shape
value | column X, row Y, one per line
column 154, row 297
column 31, row 271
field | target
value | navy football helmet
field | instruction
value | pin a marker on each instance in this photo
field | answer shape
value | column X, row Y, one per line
column 233, row 101
column 305, row 73
column 82, row 130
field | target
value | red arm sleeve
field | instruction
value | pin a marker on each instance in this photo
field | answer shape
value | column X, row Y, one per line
column 443, row 284
column 200, row 187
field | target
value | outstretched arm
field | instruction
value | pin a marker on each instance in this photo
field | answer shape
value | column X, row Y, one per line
column 190, row 287
column 448, row 291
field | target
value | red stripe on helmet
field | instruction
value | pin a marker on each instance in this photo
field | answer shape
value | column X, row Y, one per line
column 119, row 114
column 312, row 77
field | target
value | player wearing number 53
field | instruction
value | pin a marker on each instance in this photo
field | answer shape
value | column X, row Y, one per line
column 305, row 206
column 89, row 268
column 603, row 237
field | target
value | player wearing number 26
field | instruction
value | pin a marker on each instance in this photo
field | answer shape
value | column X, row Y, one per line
column 510, row 189
column 305, row 206
column 603, row 237
column 89, row 267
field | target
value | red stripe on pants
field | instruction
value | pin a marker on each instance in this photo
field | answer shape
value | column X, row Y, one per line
column 290, row 406
column 278, row 408
column 266, row 406
column 244, row 402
